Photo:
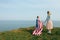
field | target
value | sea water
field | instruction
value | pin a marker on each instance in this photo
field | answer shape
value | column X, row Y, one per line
column 6, row 25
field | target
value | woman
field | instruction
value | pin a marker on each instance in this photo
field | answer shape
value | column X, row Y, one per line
column 49, row 24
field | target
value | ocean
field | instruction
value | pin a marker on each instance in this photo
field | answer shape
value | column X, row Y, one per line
column 6, row 25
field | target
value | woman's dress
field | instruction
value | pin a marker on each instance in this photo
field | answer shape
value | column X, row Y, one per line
column 49, row 24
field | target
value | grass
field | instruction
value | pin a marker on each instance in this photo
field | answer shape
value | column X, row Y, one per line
column 26, row 34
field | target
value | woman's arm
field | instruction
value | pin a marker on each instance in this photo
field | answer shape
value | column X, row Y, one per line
column 46, row 20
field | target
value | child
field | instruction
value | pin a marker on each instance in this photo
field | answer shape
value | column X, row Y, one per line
column 39, row 27
column 49, row 24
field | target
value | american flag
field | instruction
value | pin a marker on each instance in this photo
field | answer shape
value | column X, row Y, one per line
column 38, row 31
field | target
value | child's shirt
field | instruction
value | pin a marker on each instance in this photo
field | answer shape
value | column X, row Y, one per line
column 37, row 23
column 47, row 19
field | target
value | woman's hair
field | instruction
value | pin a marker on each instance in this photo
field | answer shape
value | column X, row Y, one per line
column 37, row 16
column 48, row 12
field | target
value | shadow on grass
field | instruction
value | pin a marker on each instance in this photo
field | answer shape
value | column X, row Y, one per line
column 30, row 31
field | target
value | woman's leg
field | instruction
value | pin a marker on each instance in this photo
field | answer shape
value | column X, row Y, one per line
column 49, row 31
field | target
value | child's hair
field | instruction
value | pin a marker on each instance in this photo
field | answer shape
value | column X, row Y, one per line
column 37, row 16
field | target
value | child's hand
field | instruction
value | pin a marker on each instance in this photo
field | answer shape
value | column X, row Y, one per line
column 43, row 23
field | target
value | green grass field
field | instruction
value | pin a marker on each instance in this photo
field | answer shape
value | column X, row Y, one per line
column 26, row 34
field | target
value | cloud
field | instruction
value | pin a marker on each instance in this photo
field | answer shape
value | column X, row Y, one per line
column 31, row 4
column 16, row 8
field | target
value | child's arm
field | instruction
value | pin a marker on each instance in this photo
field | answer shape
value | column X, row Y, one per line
column 45, row 21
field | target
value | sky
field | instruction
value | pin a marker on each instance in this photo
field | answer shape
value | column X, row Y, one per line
column 29, row 9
